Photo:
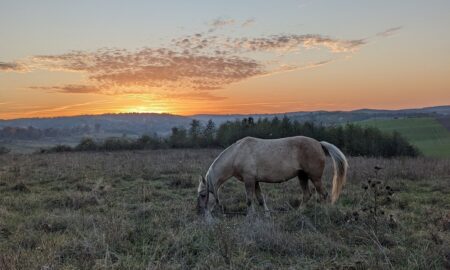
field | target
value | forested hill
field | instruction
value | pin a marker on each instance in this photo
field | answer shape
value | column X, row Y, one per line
column 161, row 124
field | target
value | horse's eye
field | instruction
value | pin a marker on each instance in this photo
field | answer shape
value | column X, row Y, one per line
column 203, row 195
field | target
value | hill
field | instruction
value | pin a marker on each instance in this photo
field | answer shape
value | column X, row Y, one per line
column 139, row 123
column 69, row 130
column 427, row 133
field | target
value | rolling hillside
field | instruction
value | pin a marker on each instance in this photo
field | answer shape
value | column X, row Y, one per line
column 427, row 133
column 69, row 130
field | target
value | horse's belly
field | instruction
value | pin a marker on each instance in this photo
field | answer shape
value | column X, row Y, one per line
column 276, row 174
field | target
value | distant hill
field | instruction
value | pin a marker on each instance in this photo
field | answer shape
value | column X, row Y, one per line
column 126, row 123
column 426, row 133
column 139, row 123
column 338, row 117
column 69, row 130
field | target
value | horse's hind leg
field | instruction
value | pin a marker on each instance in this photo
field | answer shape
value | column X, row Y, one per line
column 320, row 189
column 260, row 197
column 303, row 179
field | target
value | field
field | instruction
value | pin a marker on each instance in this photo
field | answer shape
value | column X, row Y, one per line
column 136, row 210
column 428, row 134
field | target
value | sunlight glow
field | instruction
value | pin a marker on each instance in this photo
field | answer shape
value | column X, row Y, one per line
column 143, row 109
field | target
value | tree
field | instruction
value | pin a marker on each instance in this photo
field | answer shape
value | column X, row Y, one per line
column 208, row 133
column 286, row 127
column 178, row 138
column 195, row 132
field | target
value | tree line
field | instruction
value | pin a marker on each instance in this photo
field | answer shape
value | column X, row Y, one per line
column 352, row 139
column 32, row 133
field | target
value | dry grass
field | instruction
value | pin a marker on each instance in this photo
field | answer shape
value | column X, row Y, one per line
column 135, row 210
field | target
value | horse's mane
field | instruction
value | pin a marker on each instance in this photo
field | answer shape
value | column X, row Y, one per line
column 211, row 168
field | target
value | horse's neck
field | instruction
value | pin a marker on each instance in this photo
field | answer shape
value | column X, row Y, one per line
column 221, row 169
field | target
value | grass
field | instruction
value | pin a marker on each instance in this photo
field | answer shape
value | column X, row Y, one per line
column 136, row 210
column 426, row 133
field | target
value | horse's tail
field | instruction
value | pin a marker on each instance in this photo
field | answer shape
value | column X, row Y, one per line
column 340, row 169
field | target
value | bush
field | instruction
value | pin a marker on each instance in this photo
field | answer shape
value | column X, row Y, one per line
column 86, row 144
column 4, row 150
column 60, row 148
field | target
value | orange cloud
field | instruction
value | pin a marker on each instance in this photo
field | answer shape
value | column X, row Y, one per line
column 115, row 68
column 70, row 88
column 13, row 66
column 197, row 63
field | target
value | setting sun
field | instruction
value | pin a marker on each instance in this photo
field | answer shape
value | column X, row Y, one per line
column 141, row 109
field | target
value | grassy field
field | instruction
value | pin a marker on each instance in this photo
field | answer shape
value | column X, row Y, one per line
column 428, row 134
column 136, row 210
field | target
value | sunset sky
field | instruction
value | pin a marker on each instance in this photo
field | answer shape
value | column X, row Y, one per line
column 187, row 57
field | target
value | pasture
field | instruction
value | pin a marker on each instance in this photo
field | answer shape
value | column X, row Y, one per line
column 136, row 210
column 426, row 133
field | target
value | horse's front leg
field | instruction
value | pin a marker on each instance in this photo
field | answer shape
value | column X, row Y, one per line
column 260, row 198
column 218, row 204
column 249, row 183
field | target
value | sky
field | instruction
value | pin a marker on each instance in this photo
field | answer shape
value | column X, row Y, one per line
column 61, row 58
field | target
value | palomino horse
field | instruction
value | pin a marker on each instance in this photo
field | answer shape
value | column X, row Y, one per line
column 252, row 160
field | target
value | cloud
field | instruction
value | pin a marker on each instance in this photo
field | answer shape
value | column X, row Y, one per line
column 248, row 22
column 197, row 95
column 13, row 66
column 70, row 88
column 292, row 42
column 187, row 67
column 283, row 68
column 220, row 23
column 390, row 31
column 110, row 69
column 40, row 110
column 273, row 43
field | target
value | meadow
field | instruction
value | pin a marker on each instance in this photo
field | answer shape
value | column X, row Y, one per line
column 428, row 134
column 136, row 210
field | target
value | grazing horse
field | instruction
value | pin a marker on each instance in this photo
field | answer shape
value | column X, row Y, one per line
column 252, row 160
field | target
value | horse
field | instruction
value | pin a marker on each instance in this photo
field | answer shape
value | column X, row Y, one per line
column 253, row 160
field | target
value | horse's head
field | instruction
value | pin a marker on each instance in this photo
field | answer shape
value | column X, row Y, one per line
column 203, row 196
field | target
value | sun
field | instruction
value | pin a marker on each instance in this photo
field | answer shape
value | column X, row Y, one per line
column 143, row 109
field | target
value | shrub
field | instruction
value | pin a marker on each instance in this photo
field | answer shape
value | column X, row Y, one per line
column 4, row 150
column 60, row 148
column 86, row 144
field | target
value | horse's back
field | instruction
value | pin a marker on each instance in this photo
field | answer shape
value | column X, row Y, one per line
column 278, row 159
column 257, row 146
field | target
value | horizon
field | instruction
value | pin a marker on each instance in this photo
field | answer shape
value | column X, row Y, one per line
column 228, row 114
column 63, row 59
